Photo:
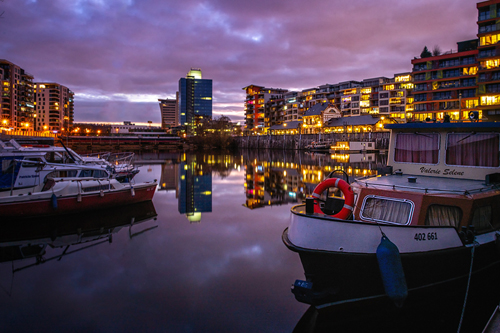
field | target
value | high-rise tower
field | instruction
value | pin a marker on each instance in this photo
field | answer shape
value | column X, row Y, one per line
column 195, row 99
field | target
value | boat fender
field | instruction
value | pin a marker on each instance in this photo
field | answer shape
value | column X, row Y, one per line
column 343, row 186
column 101, row 193
column 53, row 199
column 391, row 271
column 132, row 190
column 497, row 242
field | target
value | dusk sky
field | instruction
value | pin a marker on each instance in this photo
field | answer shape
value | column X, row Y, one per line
column 120, row 56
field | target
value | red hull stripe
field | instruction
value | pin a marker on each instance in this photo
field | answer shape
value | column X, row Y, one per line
column 71, row 205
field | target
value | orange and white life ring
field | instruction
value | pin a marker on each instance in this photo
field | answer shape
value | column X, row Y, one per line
column 346, row 189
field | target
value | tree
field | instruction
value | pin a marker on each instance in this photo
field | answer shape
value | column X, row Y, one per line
column 425, row 53
column 436, row 50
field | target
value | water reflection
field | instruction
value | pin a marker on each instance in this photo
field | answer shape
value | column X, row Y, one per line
column 272, row 177
column 281, row 177
column 32, row 242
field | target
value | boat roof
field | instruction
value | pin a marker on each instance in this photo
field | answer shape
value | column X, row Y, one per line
column 427, row 184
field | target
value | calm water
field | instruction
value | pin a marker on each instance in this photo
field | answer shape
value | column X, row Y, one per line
column 205, row 256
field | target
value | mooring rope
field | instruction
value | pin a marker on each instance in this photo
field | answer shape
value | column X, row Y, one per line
column 474, row 243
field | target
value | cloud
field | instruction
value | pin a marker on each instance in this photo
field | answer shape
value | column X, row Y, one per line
column 124, row 52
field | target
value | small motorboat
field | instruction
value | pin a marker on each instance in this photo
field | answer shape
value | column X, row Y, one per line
column 31, row 187
column 120, row 165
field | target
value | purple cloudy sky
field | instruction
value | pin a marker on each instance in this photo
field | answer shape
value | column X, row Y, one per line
column 120, row 56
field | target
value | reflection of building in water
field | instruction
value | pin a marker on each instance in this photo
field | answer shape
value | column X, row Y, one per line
column 169, row 178
column 279, row 182
column 195, row 189
column 268, row 184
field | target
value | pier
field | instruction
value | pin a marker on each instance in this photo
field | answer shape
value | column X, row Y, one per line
column 122, row 143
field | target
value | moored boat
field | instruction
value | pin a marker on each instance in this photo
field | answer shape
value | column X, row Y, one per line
column 55, row 189
column 429, row 222
column 319, row 146
column 120, row 165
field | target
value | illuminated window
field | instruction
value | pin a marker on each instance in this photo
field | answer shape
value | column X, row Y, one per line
column 470, row 71
column 404, row 78
column 489, row 40
column 389, row 87
column 490, row 100
column 493, row 63
column 471, row 103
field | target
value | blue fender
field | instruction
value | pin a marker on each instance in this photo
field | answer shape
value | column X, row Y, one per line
column 53, row 199
column 391, row 271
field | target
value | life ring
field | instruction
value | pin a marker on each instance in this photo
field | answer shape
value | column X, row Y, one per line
column 341, row 184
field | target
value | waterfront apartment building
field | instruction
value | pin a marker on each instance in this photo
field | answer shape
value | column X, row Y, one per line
column 395, row 97
column 256, row 100
column 16, row 101
column 445, row 85
column 488, row 69
column 54, row 107
column 169, row 112
column 195, row 99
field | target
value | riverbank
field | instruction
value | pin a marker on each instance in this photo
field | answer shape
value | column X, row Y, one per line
column 300, row 141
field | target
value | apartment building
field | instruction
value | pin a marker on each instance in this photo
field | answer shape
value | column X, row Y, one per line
column 54, row 107
column 488, row 69
column 445, row 85
column 255, row 107
column 16, row 101
column 169, row 112
column 395, row 97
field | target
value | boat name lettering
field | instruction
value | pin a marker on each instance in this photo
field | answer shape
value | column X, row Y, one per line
column 453, row 172
column 430, row 170
column 29, row 176
column 446, row 172
column 421, row 236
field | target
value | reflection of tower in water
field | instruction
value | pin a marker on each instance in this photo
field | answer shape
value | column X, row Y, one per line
column 195, row 189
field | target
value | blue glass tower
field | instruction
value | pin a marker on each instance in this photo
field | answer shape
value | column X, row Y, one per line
column 195, row 189
column 195, row 99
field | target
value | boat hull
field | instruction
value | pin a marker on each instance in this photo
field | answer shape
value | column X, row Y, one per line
column 73, row 204
column 341, row 278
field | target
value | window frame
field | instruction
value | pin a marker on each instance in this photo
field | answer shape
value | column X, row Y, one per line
column 379, row 197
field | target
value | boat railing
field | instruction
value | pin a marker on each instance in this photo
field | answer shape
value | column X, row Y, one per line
column 62, row 165
column 428, row 190
column 126, row 158
column 102, row 155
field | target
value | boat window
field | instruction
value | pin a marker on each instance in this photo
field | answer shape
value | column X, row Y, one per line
column 100, row 174
column 7, row 165
column 481, row 218
column 390, row 210
column 441, row 215
column 417, row 148
column 85, row 173
column 474, row 149
column 53, row 157
column 62, row 174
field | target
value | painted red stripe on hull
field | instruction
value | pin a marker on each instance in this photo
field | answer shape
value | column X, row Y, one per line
column 71, row 205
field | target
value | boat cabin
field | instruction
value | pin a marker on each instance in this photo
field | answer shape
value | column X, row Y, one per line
column 439, row 174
